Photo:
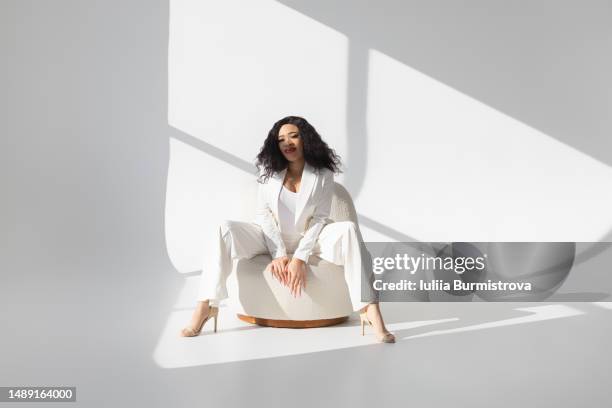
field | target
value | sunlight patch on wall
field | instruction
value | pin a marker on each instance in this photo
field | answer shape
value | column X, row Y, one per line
column 443, row 166
column 236, row 67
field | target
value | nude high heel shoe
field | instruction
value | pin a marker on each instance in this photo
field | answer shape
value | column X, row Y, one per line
column 213, row 311
column 387, row 338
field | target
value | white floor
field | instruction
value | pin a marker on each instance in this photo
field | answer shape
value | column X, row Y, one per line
column 237, row 341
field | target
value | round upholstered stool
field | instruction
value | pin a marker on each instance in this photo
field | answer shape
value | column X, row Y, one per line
column 265, row 301
column 261, row 299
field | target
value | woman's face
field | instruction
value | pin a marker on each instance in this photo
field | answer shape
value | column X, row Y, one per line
column 290, row 142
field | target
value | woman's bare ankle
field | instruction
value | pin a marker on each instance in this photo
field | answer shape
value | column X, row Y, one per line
column 375, row 316
column 366, row 308
column 202, row 307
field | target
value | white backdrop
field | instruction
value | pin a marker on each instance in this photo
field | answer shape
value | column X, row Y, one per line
column 437, row 164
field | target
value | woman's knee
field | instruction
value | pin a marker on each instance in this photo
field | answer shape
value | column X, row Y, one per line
column 226, row 226
column 342, row 227
column 349, row 226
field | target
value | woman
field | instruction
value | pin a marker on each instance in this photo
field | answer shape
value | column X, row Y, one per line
column 294, row 201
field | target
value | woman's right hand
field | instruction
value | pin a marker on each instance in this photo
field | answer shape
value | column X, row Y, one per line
column 277, row 267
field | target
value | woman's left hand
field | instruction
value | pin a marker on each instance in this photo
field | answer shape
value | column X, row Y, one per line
column 297, row 276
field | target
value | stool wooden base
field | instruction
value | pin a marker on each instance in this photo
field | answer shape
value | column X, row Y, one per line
column 292, row 324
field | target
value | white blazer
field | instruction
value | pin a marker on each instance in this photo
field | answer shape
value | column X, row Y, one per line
column 311, row 212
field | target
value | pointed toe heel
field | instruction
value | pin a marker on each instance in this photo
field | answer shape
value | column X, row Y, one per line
column 191, row 332
column 387, row 338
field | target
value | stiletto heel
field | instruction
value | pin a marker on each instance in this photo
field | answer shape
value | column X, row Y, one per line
column 364, row 319
column 213, row 312
column 387, row 337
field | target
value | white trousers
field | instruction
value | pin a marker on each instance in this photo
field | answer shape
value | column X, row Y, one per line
column 337, row 243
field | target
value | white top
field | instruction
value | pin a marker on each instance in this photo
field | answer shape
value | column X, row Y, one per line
column 287, row 201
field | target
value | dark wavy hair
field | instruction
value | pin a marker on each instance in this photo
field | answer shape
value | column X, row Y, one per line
column 316, row 152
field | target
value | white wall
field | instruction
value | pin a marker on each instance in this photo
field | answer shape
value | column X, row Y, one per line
column 424, row 161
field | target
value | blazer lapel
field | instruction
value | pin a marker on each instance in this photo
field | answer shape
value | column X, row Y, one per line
column 309, row 176
column 275, row 186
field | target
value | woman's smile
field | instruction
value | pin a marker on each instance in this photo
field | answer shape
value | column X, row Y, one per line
column 290, row 143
